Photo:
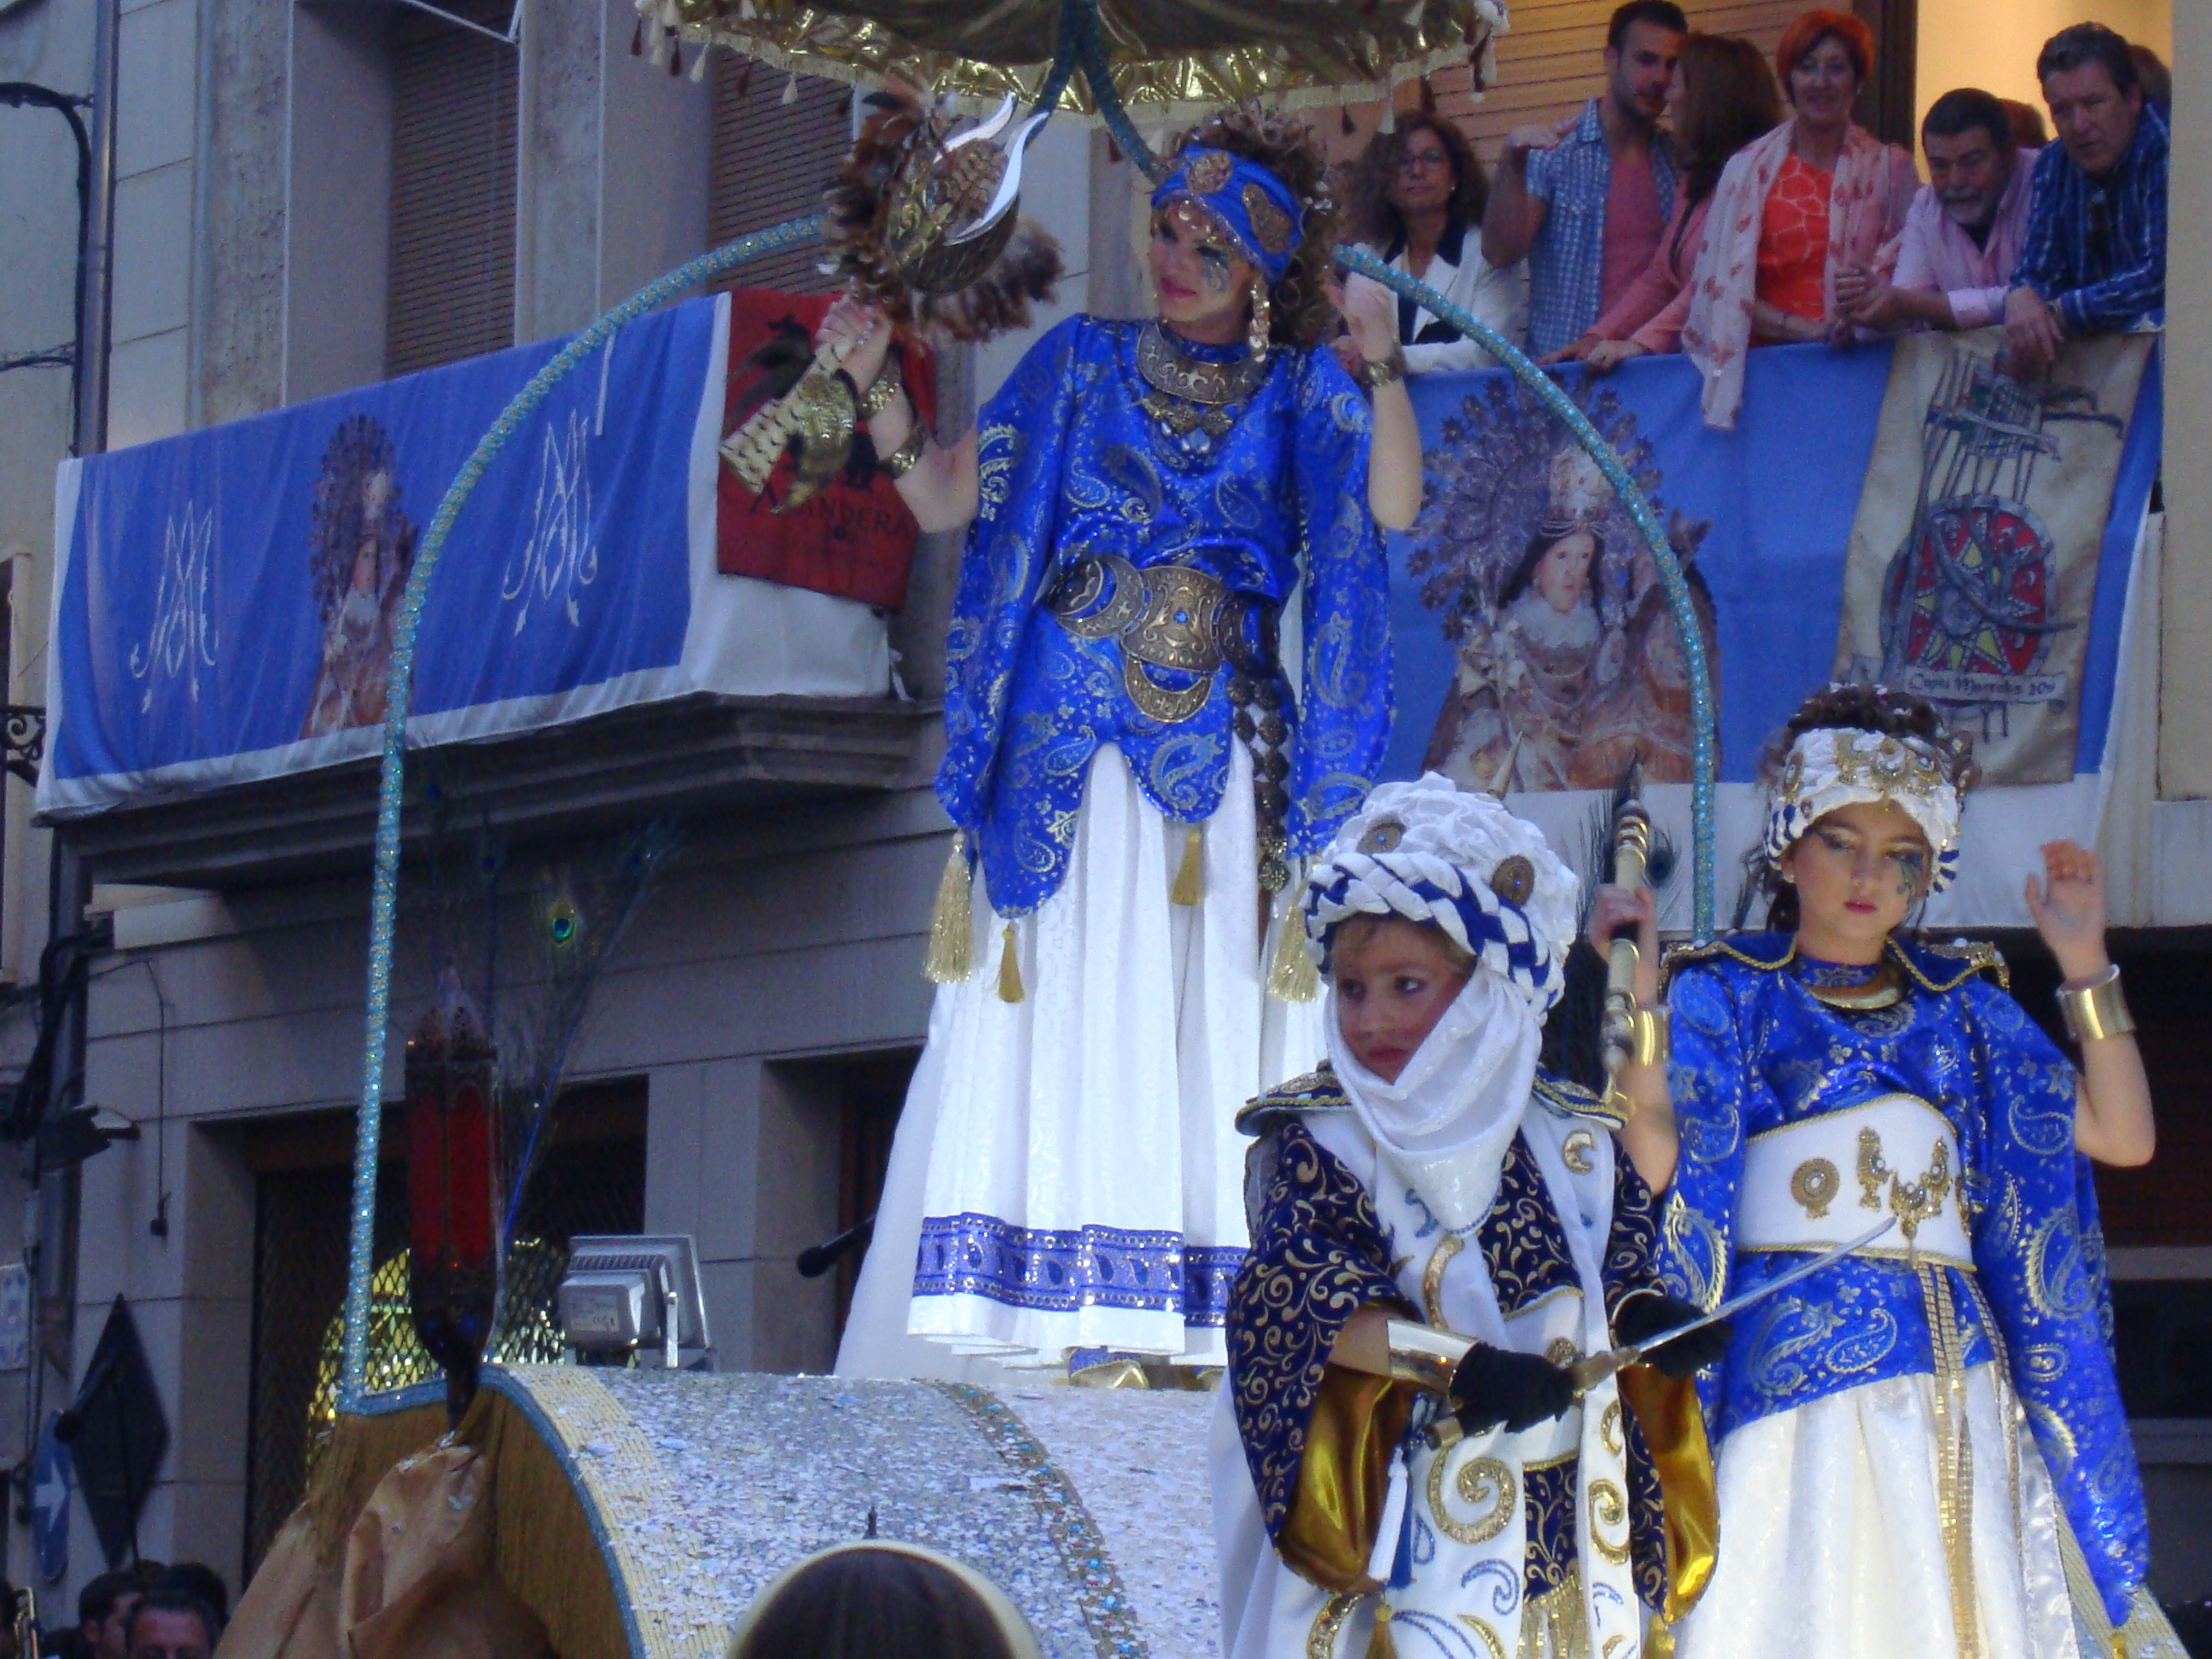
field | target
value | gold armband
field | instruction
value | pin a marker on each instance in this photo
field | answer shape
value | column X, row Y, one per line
column 878, row 396
column 901, row 461
column 1424, row 1355
column 1380, row 373
column 2096, row 1010
column 1648, row 1037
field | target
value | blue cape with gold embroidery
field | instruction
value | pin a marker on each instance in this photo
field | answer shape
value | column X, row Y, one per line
column 1068, row 462
column 1755, row 1050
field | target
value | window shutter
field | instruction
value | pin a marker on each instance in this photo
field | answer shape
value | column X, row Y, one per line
column 772, row 160
column 450, row 290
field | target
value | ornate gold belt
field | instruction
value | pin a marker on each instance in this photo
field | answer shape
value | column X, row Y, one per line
column 1175, row 616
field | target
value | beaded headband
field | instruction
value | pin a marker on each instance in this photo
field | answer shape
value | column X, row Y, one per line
column 1832, row 766
column 1254, row 209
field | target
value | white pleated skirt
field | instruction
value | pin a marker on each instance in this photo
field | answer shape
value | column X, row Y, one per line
column 1831, row 1536
column 1066, row 1174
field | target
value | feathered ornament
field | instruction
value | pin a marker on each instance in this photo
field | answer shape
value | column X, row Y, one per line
column 925, row 224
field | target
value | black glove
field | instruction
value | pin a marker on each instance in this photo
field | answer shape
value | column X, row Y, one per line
column 1650, row 1315
column 1496, row 1385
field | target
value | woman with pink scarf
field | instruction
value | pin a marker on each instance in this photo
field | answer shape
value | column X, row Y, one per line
column 1814, row 197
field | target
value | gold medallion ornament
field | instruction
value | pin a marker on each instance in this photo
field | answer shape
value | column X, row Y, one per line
column 1382, row 836
column 1270, row 226
column 1814, row 1184
column 1579, row 1151
column 1514, row 879
column 1209, row 172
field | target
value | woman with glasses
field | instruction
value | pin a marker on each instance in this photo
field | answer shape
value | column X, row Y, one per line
column 1416, row 198
column 1817, row 196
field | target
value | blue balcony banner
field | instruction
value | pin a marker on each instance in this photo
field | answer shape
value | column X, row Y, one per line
column 1898, row 513
column 224, row 600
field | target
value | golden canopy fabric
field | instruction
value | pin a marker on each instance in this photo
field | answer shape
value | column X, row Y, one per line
column 1172, row 59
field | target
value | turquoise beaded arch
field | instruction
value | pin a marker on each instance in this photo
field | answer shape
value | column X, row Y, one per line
column 1081, row 44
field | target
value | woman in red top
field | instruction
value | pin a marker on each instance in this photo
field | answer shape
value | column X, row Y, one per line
column 1816, row 196
column 1724, row 97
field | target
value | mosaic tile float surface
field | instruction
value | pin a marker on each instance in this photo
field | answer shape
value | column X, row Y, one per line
column 1066, row 1498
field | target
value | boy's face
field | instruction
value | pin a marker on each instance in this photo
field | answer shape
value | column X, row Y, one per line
column 1393, row 982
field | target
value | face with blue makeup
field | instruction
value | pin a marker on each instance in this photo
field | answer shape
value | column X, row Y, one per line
column 1203, row 285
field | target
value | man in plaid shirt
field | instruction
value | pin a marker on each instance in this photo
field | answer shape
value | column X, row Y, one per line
column 2094, row 260
column 1586, row 202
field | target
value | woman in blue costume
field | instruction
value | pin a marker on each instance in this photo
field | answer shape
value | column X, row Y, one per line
column 1922, row 1452
column 1167, row 681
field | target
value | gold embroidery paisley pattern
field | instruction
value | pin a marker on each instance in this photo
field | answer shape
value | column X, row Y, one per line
column 1609, row 1508
column 1485, row 1483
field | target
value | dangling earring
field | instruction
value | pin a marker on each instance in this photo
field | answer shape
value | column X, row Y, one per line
column 1255, row 337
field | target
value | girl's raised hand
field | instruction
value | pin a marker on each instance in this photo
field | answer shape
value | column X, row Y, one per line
column 2069, row 907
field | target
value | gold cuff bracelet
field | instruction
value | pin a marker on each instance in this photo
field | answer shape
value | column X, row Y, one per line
column 901, row 461
column 878, row 397
column 1380, row 373
column 2096, row 1010
column 1648, row 1037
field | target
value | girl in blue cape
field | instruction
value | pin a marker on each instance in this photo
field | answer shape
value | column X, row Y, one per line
column 1167, row 681
column 1922, row 1452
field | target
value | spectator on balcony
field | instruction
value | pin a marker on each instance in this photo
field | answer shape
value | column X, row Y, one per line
column 1417, row 198
column 1963, row 237
column 2095, row 262
column 2029, row 129
column 1585, row 202
column 1816, row 194
column 2157, row 79
column 1724, row 97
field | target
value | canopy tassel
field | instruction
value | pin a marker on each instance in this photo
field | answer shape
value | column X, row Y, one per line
column 1291, row 976
column 1189, row 882
column 952, row 920
column 1010, row 970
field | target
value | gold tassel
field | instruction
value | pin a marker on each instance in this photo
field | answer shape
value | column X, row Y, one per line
column 1010, row 970
column 1189, row 883
column 1291, row 976
column 952, row 921
column 1382, row 1645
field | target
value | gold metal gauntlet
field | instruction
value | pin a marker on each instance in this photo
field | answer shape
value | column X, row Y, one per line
column 2096, row 1010
column 1424, row 1355
column 1648, row 1037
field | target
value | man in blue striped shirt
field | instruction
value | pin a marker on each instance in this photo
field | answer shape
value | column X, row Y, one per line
column 2094, row 260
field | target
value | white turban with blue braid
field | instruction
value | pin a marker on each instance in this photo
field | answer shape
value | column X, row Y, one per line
column 1431, row 851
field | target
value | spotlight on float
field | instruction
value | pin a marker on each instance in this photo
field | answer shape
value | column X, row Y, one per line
column 635, row 1293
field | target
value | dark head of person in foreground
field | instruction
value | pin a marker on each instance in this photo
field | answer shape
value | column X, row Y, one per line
column 169, row 1623
column 883, row 1601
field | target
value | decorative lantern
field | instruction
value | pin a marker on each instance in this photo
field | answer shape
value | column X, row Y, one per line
column 454, row 1232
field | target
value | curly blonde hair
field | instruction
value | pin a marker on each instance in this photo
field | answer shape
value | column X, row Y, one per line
column 1301, row 313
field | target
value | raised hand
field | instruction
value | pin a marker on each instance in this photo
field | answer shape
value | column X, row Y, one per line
column 869, row 330
column 2069, row 907
column 1370, row 313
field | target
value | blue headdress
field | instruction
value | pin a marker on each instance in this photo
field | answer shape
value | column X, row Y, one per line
column 1253, row 207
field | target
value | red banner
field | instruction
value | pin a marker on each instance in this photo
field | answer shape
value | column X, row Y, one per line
column 854, row 540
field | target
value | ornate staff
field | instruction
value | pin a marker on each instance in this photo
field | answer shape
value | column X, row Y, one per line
column 1622, row 1033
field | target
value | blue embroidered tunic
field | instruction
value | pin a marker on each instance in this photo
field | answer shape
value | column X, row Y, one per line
column 1753, row 1050
column 1069, row 462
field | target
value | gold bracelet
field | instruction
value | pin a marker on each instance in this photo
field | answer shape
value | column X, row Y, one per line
column 901, row 461
column 1380, row 373
column 2097, row 1010
column 1424, row 1355
column 878, row 397
column 1649, row 1037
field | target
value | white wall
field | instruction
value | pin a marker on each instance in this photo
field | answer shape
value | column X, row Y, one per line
column 1974, row 43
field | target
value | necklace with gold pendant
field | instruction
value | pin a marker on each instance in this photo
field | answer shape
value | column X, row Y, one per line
column 1881, row 989
column 1194, row 399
